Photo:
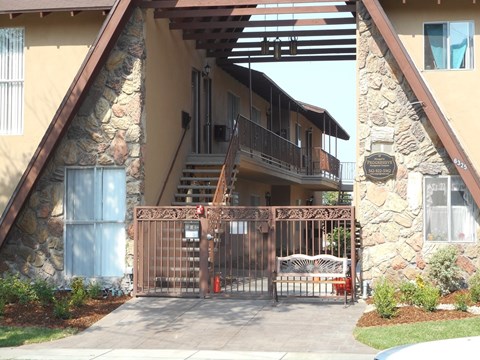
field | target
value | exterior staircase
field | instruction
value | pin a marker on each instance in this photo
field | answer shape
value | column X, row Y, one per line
column 199, row 179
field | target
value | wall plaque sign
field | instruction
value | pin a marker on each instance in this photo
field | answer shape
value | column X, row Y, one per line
column 379, row 166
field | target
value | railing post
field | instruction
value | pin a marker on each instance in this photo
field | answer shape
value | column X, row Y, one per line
column 204, row 255
column 271, row 249
column 353, row 251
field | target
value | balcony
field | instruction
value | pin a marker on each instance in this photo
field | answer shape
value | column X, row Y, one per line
column 276, row 157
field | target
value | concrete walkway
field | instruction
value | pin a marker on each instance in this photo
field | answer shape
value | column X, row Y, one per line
column 171, row 328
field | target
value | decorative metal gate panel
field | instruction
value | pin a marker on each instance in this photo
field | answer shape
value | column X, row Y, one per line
column 230, row 251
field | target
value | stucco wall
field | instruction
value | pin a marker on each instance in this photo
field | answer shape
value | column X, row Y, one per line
column 390, row 212
column 55, row 47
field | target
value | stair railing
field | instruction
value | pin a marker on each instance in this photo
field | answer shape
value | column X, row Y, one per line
column 171, row 165
column 226, row 178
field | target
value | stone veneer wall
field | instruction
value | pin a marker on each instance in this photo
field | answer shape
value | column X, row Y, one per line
column 107, row 131
column 391, row 212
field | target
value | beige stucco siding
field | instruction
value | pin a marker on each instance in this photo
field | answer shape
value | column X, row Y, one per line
column 55, row 47
column 456, row 91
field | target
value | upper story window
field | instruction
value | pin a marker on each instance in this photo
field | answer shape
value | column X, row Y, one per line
column 449, row 45
column 11, row 81
column 450, row 212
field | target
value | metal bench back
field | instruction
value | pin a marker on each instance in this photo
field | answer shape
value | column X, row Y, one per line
column 311, row 266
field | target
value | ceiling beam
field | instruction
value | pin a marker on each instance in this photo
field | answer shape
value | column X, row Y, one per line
column 246, row 60
column 195, row 13
column 165, row 4
column 268, row 23
column 244, row 45
column 261, row 34
column 314, row 51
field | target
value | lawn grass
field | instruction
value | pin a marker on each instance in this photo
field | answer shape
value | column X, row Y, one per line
column 383, row 337
column 15, row 336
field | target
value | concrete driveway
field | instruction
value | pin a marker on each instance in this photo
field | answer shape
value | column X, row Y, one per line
column 224, row 326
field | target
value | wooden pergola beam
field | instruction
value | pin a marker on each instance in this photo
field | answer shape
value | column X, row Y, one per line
column 198, row 13
column 261, row 34
column 317, row 51
column 267, row 23
column 246, row 60
column 166, row 4
column 244, row 44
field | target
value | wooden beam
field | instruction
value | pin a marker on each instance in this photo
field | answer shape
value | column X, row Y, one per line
column 300, row 51
column 74, row 13
column 260, row 23
column 174, row 14
column 246, row 60
column 261, row 34
column 438, row 120
column 244, row 44
column 12, row 16
column 166, row 4
column 44, row 14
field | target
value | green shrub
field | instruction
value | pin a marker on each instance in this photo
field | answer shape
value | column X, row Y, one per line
column 44, row 291
column 427, row 297
column 443, row 270
column 94, row 290
column 61, row 308
column 79, row 293
column 14, row 289
column 461, row 301
column 407, row 292
column 384, row 299
column 474, row 287
column 2, row 306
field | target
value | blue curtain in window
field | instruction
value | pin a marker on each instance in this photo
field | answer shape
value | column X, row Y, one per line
column 436, row 38
column 457, row 54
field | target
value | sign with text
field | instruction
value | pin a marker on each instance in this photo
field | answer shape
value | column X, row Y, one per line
column 379, row 166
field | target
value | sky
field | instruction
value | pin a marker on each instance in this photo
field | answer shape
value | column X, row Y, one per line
column 328, row 84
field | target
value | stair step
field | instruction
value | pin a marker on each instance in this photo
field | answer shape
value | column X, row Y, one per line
column 202, row 171
column 198, row 187
column 200, row 178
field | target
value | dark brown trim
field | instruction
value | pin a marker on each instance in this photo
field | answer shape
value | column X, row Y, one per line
column 458, row 155
column 74, row 97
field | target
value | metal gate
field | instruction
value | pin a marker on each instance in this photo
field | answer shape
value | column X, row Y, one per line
column 230, row 251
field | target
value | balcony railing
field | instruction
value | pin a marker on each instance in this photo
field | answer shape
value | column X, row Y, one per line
column 270, row 147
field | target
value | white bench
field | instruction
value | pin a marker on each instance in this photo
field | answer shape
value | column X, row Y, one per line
column 300, row 268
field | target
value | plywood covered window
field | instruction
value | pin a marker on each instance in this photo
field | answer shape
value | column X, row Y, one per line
column 11, row 80
column 450, row 211
column 448, row 45
column 95, row 207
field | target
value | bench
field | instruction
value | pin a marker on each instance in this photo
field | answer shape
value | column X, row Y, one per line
column 300, row 268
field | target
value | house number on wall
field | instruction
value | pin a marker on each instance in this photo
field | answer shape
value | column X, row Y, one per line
column 460, row 164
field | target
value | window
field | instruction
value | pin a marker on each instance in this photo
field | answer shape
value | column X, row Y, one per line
column 95, row 206
column 233, row 108
column 298, row 135
column 11, row 81
column 449, row 45
column 449, row 210
column 256, row 115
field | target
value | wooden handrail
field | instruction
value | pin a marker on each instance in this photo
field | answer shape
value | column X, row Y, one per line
column 225, row 180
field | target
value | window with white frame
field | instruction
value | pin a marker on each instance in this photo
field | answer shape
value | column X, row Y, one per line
column 450, row 212
column 95, row 207
column 448, row 45
column 11, row 81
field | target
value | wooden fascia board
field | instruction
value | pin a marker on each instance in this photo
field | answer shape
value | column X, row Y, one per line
column 72, row 101
column 423, row 94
